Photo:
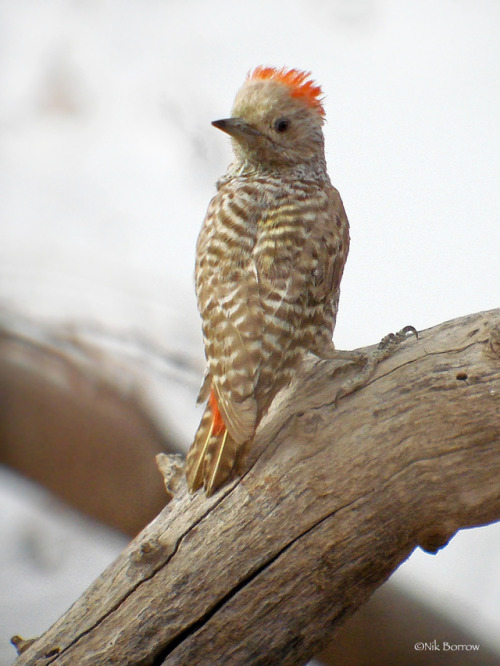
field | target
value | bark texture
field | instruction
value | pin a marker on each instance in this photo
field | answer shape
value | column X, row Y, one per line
column 264, row 571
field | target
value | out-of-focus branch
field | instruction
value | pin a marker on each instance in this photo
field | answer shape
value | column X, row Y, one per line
column 73, row 418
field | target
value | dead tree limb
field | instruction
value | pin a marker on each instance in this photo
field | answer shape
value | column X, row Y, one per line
column 74, row 416
column 265, row 570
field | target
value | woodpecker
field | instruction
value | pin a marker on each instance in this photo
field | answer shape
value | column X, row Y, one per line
column 269, row 261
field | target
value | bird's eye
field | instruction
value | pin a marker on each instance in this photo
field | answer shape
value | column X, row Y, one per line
column 281, row 125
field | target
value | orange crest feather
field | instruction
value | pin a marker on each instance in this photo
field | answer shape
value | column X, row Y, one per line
column 299, row 83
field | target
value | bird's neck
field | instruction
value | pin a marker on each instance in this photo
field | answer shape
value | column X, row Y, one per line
column 314, row 170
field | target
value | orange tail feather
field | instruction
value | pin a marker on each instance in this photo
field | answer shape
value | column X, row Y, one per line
column 212, row 456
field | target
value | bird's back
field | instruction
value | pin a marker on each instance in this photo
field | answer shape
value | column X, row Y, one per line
column 269, row 262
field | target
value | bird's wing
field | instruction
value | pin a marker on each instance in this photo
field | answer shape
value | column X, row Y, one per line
column 228, row 299
column 300, row 258
column 328, row 243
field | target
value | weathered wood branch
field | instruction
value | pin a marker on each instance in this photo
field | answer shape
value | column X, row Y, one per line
column 267, row 568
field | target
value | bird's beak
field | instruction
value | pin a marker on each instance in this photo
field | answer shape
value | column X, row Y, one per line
column 236, row 127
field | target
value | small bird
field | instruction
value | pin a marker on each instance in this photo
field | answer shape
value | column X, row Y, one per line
column 269, row 261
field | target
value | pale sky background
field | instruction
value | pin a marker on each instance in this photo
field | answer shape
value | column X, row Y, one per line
column 108, row 161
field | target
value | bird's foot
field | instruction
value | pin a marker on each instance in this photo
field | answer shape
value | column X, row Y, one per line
column 369, row 362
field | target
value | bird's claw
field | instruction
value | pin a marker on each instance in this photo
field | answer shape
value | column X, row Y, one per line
column 393, row 339
column 370, row 361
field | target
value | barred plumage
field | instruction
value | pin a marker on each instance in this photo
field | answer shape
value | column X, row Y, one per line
column 270, row 258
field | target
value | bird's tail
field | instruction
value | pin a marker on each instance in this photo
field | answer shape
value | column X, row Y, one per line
column 213, row 454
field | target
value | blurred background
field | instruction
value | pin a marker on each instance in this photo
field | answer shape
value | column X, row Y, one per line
column 107, row 163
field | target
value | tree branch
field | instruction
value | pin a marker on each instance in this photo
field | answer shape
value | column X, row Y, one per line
column 265, row 570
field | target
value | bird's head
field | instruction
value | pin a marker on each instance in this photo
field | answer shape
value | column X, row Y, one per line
column 277, row 119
